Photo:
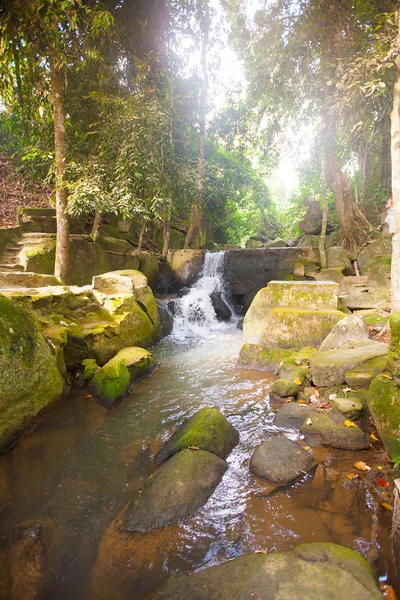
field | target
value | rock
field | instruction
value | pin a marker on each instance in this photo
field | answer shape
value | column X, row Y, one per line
column 183, row 292
column 284, row 388
column 293, row 415
column 112, row 382
column 261, row 358
column 186, row 265
column 298, row 269
column 371, row 298
column 123, row 282
column 222, row 310
column 276, row 243
column 149, row 267
column 361, row 377
column 328, row 429
column 176, row 240
column 167, row 282
column 351, row 407
column 384, row 406
column 292, row 314
column 171, row 306
column 34, row 558
column 346, row 332
column 312, row 222
column 252, row 243
column 381, row 246
column 316, row 570
column 211, row 246
column 251, row 269
column 14, row 279
column 308, row 241
column 280, row 461
column 239, row 325
column 75, row 350
column 166, row 317
column 90, row 367
column 30, row 379
column 208, row 430
column 337, row 257
column 328, row 369
column 175, row 491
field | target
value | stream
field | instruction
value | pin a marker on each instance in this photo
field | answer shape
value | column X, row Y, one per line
column 83, row 463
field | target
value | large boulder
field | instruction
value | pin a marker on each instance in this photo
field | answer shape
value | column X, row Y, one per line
column 337, row 258
column 346, row 333
column 380, row 247
column 329, row 368
column 113, row 381
column 312, row 222
column 366, row 299
column 318, row 570
column 280, row 461
column 30, row 379
column 186, row 265
column 384, row 405
column 293, row 414
column 328, row 429
column 176, row 490
column 207, row 430
column 292, row 314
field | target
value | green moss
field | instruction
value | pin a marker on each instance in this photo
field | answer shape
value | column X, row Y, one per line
column 375, row 320
column 395, row 328
column 384, row 405
column 30, row 379
column 208, row 430
column 90, row 367
column 40, row 257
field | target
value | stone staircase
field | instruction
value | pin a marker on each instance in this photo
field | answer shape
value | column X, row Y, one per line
column 10, row 260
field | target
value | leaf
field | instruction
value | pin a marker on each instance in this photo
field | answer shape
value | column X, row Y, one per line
column 302, row 402
column 386, row 376
column 307, row 448
column 386, row 505
column 308, row 422
column 382, row 482
column 332, row 396
column 288, row 400
column 193, row 448
column 314, row 399
column 260, row 552
column 380, row 468
column 347, row 389
column 297, row 381
column 349, row 423
column 362, row 466
column 88, row 396
column 352, row 476
column 373, row 437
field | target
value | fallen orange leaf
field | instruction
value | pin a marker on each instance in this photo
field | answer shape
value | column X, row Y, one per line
column 380, row 468
column 302, row 402
column 362, row 466
column 374, row 438
column 351, row 476
column 88, row 396
column 386, row 505
column 297, row 381
column 349, row 423
column 307, row 447
column 386, row 376
column 382, row 482
column 388, row 592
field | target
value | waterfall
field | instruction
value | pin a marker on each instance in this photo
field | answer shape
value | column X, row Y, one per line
column 194, row 313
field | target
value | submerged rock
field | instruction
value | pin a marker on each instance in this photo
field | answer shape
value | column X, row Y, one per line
column 30, row 379
column 114, row 379
column 280, row 461
column 328, row 429
column 207, row 430
column 34, row 559
column 175, row 491
column 318, row 570
column 222, row 310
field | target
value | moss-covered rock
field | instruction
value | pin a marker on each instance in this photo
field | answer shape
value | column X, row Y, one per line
column 90, row 367
column 149, row 268
column 329, row 368
column 10, row 279
column 381, row 246
column 176, row 490
column 208, row 430
column 284, row 388
column 30, row 379
column 328, row 429
column 261, row 358
column 186, row 265
column 318, row 570
column 337, row 257
column 351, row 407
column 362, row 377
column 384, row 405
column 371, row 298
column 39, row 257
column 112, row 382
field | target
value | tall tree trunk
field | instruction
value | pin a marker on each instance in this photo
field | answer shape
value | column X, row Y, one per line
column 385, row 153
column 95, row 235
column 60, row 146
column 166, row 231
column 322, row 237
column 140, row 241
column 196, row 208
column 395, row 150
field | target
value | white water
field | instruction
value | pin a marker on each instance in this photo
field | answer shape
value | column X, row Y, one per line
column 194, row 313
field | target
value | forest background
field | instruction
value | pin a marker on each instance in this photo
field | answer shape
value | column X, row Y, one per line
column 118, row 106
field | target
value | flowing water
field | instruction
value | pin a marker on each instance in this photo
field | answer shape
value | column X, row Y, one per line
column 80, row 467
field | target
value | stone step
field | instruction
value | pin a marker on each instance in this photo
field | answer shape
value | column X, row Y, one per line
column 8, row 268
column 35, row 234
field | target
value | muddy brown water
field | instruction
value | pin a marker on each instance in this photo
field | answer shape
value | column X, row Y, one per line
column 83, row 464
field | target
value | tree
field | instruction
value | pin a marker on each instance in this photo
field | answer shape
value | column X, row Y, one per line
column 395, row 152
column 52, row 35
